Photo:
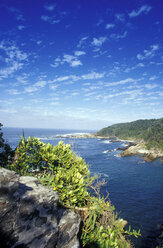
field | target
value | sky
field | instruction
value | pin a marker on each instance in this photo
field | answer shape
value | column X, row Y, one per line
column 80, row 64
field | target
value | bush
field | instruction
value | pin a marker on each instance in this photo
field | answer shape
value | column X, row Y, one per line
column 59, row 168
column 6, row 153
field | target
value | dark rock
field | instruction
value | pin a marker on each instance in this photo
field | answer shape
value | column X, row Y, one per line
column 148, row 157
column 30, row 216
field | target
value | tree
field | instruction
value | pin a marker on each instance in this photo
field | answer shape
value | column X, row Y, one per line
column 6, row 152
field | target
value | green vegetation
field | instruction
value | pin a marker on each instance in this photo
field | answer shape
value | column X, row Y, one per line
column 68, row 174
column 151, row 131
column 6, row 153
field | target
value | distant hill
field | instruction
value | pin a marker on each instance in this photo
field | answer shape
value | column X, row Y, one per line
column 150, row 131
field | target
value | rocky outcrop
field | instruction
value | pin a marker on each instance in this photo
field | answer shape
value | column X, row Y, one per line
column 30, row 216
column 75, row 136
column 140, row 149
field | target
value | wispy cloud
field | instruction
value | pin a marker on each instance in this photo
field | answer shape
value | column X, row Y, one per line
column 143, row 9
column 110, row 26
column 50, row 19
column 120, row 17
column 98, row 41
column 72, row 60
column 20, row 17
column 89, row 76
column 79, row 53
column 148, row 53
column 35, row 87
column 13, row 59
column 150, row 86
column 21, row 27
column 153, row 78
column 93, row 75
column 99, row 22
column 50, row 7
column 82, row 42
column 120, row 82
column 119, row 36
column 13, row 92
column 139, row 65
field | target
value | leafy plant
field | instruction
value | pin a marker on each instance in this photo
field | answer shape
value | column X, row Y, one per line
column 6, row 153
column 59, row 168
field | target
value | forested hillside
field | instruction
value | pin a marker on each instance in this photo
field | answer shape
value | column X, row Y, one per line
column 151, row 131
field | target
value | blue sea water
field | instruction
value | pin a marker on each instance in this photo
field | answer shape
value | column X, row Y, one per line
column 135, row 189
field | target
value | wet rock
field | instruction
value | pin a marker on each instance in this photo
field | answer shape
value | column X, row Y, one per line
column 30, row 216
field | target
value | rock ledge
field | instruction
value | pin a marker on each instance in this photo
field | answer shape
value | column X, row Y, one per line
column 30, row 216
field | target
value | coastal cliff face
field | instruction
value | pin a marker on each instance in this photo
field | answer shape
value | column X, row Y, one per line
column 30, row 215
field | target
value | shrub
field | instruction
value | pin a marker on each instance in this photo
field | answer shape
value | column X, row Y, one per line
column 6, row 153
column 59, row 168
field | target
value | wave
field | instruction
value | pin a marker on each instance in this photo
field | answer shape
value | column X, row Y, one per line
column 108, row 151
column 105, row 151
column 124, row 144
column 117, row 155
column 106, row 141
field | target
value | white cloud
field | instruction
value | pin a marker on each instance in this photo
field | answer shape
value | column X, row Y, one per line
column 133, row 94
column 35, row 87
column 53, row 86
column 139, row 65
column 120, row 82
column 148, row 53
column 30, row 89
column 98, row 41
column 72, row 60
column 13, row 92
column 110, row 25
column 50, row 19
column 65, row 78
column 119, row 36
column 4, row 73
column 20, row 17
column 39, row 42
column 75, row 94
column 79, row 53
column 40, row 84
column 150, row 86
column 143, row 9
column 89, row 76
column 22, row 80
column 82, row 41
column 50, row 7
column 13, row 59
column 153, row 78
column 99, row 22
column 21, row 27
column 120, row 17
column 93, row 75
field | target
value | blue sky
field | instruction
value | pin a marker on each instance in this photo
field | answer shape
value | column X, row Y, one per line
column 80, row 64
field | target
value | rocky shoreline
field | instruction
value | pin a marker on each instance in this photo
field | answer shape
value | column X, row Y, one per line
column 132, row 147
column 140, row 149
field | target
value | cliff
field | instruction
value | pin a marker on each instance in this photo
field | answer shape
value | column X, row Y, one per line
column 31, row 217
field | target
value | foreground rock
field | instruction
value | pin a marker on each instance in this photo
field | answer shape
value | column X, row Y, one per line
column 140, row 149
column 30, row 216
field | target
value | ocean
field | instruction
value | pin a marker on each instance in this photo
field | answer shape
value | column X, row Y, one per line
column 135, row 187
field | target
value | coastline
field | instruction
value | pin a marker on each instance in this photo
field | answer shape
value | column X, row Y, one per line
column 134, row 147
